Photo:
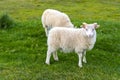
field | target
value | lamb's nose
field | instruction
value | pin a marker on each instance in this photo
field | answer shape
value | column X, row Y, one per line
column 90, row 35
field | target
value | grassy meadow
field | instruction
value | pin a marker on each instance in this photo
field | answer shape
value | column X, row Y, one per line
column 23, row 46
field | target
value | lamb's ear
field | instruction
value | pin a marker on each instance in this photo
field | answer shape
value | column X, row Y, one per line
column 84, row 25
column 96, row 25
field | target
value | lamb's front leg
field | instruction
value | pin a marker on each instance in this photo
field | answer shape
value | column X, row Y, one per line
column 80, row 59
column 84, row 57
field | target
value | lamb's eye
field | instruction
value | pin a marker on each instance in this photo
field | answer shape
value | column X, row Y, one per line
column 92, row 29
column 86, row 29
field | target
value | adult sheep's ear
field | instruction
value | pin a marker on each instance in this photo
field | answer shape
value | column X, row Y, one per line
column 96, row 25
column 84, row 25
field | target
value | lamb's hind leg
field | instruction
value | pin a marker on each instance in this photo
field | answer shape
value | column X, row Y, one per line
column 49, row 52
column 55, row 56
column 48, row 57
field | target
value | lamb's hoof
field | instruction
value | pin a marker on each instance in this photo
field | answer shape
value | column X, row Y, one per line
column 85, row 61
column 47, row 63
column 56, row 59
column 80, row 66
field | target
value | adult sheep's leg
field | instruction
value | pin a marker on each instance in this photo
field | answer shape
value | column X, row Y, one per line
column 84, row 57
column 45, row 27
column 46, row 31
column 80, row 59
column 55, row 56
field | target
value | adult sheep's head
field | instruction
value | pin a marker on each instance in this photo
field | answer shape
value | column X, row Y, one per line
column 90, row 28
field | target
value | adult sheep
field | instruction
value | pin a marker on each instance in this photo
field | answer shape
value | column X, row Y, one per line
column 51, row 18
column 71, row 39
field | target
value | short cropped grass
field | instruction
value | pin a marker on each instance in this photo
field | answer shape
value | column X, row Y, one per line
column 23, row 47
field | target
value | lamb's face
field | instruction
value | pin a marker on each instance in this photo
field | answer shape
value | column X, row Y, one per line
column 90, row 29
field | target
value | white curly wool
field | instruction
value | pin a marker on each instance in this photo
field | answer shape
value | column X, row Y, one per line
column 51, row 18
column 71, row 39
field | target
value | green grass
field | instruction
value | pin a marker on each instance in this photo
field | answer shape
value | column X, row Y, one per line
column 23, row 47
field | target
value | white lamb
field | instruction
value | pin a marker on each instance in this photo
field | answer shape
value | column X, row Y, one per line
column 51, row 18
column 71, row 39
